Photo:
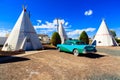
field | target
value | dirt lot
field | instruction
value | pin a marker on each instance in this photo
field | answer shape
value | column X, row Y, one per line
column 54, row 65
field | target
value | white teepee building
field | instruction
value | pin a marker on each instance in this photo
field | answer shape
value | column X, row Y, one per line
column 104, row 37
column 62, row 33
column 23, row 35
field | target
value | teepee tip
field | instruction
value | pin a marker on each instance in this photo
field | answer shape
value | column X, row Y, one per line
column 103, row 19
column 24, row 8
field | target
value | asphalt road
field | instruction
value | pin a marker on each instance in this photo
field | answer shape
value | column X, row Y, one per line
column 114, row 52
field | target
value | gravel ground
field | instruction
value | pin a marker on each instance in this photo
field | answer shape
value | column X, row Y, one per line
column 54, row 65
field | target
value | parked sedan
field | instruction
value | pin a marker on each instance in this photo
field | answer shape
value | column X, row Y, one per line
column 76, row 47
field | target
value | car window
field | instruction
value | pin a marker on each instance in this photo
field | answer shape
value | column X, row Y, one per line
column 80, row 43
column 68, row 43
column 74, row 43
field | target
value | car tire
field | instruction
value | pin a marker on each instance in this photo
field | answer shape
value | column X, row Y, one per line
column 59, row 50
column 76, row 52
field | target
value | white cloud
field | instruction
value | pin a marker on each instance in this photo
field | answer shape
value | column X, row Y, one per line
column 74, row 33
column 88, row 13
column 77, row 32
column 44, row 31
column 66, row 23
column 90, row 29
column 46, row 25
column 4, row 32
column 50, row 24
column 39, row 21
column 61, row 21
column 49, row 27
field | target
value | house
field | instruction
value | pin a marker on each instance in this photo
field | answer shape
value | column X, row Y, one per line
column 44, row 38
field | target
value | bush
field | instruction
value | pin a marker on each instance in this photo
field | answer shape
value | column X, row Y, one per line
column 117, row 40
column 55, row 39
column 84, row 37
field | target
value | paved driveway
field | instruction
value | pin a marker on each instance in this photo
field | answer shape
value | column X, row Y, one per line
column 110, row 51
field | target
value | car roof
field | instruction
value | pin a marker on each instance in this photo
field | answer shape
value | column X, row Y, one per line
column 74, row 40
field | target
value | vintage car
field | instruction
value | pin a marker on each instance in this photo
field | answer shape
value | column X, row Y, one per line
column 76, row 47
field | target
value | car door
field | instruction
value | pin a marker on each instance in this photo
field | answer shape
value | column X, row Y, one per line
column 67, row 47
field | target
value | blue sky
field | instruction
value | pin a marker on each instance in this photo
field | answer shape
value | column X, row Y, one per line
column 76, row 15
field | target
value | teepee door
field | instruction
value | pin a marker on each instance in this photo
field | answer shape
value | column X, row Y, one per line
column 28, row 44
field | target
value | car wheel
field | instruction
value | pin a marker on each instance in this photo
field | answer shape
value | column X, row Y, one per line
column 75, row 52
column 59, row 50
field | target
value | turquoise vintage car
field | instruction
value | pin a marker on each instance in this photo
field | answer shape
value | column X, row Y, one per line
column 76, row 47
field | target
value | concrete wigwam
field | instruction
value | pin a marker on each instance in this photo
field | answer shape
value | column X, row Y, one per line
column 62, row 33
column 104, row 37
column 23, row 35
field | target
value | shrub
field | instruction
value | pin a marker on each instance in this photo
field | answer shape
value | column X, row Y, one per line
column 55, row 39
column 117, row 40
column 84, row 37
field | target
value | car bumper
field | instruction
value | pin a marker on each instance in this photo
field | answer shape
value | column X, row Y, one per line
column 85, row 52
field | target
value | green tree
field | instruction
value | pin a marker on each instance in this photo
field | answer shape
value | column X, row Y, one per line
column 113, row 33
column 117, row 40
column 55, row 39
column 84, row 37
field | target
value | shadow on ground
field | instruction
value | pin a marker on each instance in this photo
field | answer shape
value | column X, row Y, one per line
column 91, row 55
column 11, row 59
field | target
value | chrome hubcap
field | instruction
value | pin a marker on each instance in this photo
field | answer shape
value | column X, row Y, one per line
column 76, row 53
